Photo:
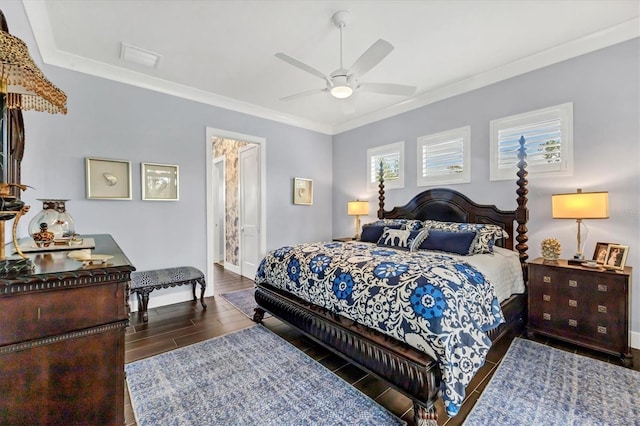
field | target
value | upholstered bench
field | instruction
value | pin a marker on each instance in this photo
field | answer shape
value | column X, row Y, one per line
column 144, row 282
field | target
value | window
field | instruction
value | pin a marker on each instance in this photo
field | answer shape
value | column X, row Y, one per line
column 392, row 158
column 444, row 157
column 548, row 137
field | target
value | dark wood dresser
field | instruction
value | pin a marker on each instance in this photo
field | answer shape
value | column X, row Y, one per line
column 584, row 306
column 62, row 340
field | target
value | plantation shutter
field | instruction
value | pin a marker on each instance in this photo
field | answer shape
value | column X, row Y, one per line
column 390, row 165
column 543, row 143
column 443, row 158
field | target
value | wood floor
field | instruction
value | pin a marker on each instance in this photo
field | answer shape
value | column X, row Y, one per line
column 185, row 323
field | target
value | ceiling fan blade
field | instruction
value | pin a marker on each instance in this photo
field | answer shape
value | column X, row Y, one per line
column 296, row 63
column 371, row 57
column 302, row 94
column 388, row 88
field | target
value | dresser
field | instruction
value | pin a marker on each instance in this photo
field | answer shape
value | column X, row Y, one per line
column 583, row 306
column 62, row 340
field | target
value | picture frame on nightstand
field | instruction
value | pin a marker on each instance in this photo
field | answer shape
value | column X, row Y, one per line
column 600, row 253
column 616, row 256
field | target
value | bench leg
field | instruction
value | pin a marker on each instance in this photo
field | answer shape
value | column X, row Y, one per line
column 145, row 303
column 203, row 286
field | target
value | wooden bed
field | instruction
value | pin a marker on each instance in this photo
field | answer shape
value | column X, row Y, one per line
column 410, row 371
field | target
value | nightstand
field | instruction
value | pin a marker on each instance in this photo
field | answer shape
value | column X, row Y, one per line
column 584, row 306
column 344, row 239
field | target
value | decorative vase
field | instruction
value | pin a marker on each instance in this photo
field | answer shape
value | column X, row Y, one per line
column 54, row 214
column 550, row 249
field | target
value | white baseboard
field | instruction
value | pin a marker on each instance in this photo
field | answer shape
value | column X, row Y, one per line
column 232, row 268
column 635, row 340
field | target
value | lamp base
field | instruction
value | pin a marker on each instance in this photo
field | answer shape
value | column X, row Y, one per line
column 578, row 259
column 16, row 266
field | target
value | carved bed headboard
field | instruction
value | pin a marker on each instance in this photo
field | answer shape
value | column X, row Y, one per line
column 448, row 205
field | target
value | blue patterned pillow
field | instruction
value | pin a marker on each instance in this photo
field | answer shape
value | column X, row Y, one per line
column 486, row 234
column 402, row 239
column 452, row 242
column 371, row 233
column 410, row 224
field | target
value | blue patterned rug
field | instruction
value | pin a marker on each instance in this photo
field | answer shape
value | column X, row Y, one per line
column 248, row 377
column 540, row 385
column 244, row 301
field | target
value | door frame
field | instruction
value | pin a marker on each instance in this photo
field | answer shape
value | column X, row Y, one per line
column 219, row 163
column 210, row 133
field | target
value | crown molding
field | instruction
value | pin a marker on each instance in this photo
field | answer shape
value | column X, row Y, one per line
column 40, row 25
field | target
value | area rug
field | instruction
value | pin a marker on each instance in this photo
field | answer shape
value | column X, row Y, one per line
column 540, row 385
column 248, row 377
column 244, row 301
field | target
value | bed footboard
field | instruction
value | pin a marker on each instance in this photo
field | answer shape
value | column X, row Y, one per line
column 413, row 373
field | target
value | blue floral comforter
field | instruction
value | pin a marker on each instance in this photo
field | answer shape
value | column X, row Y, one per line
column 429, row 300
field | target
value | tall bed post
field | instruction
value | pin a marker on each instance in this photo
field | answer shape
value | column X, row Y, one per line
column 381, row 192
column 522, row 212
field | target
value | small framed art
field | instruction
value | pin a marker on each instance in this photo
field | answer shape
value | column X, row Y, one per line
column 160, row 182
column 616, row 256
column 108, row 179
column 302, row 191
column 600, row 253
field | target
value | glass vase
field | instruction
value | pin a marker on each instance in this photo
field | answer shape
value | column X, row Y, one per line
column 55, row 215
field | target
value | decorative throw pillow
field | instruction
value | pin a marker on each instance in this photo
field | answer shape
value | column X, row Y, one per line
column 402, row 239
column 410, row 224
column 371, row 233
column 451, row 242
column 486, row 234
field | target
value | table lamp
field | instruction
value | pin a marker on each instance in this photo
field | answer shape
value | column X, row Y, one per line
column 580, row 205
column 22, row 87
column 357, row 208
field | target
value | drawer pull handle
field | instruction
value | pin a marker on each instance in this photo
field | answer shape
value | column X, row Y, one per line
column 573, row 303
column 546, row 297
column 602, row 330
column 573, row 283
column 38, row 313
column 602, row 309
column 546, row 316
column 602, row 287
column 546, row 279
column 573, row 323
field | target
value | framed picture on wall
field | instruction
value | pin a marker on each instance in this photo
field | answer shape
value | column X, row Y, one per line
column 108, row 179
column 302, row 191
column 160, row 182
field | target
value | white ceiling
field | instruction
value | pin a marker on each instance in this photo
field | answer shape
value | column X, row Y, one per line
column 222, row 52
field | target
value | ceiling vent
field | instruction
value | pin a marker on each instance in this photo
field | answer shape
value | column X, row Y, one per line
column 140, row 56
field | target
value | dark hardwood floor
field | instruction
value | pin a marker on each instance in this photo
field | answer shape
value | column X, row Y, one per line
column 181, row 324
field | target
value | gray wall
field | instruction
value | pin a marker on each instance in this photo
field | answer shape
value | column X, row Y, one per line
column 604, row 88
column 112, row 120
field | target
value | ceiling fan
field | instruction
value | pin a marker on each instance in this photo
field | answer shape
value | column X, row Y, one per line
column 343, row 82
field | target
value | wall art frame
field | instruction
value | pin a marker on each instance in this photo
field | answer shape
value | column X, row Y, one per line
column 107, row 179
column 616, row 256
column 303, row 191
column 160, row 182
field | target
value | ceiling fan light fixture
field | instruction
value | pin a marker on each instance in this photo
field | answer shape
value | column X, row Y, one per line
column 341, row 92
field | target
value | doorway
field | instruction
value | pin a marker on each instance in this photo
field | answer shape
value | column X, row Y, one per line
column 243, row 231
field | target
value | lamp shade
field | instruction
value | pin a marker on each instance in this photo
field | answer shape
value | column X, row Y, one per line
column 580, row 205
column 23, row 82
column 358, row 208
